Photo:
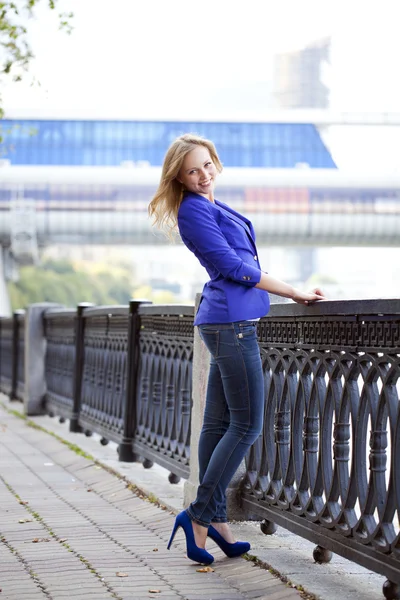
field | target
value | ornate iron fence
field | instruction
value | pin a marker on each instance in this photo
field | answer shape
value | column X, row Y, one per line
column 125, row 373
column 327, row 466
column 6, row 354
column 103, row 388
column 164, row 388
column 12, row 355
column 60, row 333
column 18, row 389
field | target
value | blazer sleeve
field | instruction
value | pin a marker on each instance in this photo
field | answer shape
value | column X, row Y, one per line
column 199, row 228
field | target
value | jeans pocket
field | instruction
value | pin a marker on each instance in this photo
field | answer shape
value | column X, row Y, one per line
column 246, row 330
column 211, row 339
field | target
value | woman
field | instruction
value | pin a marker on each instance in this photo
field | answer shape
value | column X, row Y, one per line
column 232, row 301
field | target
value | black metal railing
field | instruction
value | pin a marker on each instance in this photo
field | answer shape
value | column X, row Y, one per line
column 12, row 355
column 6, row 354
column 327, row 466
column 18, row 388
column 124, row 372
column 104, row 374
column 164, row 389
column 60, row 334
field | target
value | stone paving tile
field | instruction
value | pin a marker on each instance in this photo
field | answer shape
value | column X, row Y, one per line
column 111, row 529
column 288, row 594
column 79, row 596
column 15, row 580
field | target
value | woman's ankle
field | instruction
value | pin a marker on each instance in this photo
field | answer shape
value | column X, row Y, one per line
column 200, row 534
column 225, row 531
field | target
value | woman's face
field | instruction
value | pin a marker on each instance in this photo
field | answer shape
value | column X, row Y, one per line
column 198, row 172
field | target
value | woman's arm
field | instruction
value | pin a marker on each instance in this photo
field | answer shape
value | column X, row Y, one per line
column 280, row 288
column 200, row 231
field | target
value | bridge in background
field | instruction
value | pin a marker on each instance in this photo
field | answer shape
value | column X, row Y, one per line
column 86, row 179
column 108, row 205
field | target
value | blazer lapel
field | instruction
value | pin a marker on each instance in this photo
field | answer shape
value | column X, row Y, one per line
column 245, row 223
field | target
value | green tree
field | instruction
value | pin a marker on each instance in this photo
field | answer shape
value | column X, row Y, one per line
column 59, row 266
column 16, row 53
column 59, row 281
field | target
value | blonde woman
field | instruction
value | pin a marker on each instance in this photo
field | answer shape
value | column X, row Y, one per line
column 232, row 301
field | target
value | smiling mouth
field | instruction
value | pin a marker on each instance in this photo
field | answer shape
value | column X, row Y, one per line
column 205, row 183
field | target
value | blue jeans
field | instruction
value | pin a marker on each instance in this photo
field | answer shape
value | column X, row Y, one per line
column 233, row 416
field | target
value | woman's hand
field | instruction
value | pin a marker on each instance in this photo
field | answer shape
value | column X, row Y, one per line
column 280, row 288
column 308, row 297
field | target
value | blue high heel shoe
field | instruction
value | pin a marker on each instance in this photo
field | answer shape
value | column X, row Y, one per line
column 193, row 552
column 231, row 550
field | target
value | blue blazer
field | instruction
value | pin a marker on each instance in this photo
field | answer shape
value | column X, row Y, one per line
column 224, row 242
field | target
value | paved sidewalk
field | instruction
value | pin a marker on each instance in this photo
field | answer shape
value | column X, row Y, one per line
column 286, row 553
column 69, row 529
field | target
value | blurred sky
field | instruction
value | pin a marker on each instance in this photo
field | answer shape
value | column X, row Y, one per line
column 186, row 59
column 178, row 58
column 158, row 58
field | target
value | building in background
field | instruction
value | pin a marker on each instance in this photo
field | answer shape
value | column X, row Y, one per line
column 299, row 76
column 83, row 141
column 299, row 83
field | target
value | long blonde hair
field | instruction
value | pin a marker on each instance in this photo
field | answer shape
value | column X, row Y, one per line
column 164, row 206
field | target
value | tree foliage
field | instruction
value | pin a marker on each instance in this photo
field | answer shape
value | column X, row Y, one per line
column 59, row 281
column 15, row 50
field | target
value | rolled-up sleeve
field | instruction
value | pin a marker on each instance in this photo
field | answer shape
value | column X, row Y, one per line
column 198, row 227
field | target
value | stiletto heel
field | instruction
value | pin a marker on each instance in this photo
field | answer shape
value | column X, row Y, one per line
column 231, row 550
column 171, row 539
column 193, row 552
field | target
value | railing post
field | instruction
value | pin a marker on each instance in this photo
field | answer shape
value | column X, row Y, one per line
column 35, row 356
column 201, row 368
column 125, row 452
column 200, row 371
column 78, row 367
column 15, row 350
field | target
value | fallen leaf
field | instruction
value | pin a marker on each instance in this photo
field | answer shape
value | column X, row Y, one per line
column 88, row 490
column 25, row 521
column 155, row 549
column 63, row 540
column 205, row 570
column 119, row 574
column 36, row 540
column 154, row 591
column 23, row 502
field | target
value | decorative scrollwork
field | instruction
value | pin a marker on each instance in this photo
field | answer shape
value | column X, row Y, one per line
column 20, row 382
column 60, row 364
column 329, row 453
column 164, row 390
column 104, row 374
column 6, row 354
